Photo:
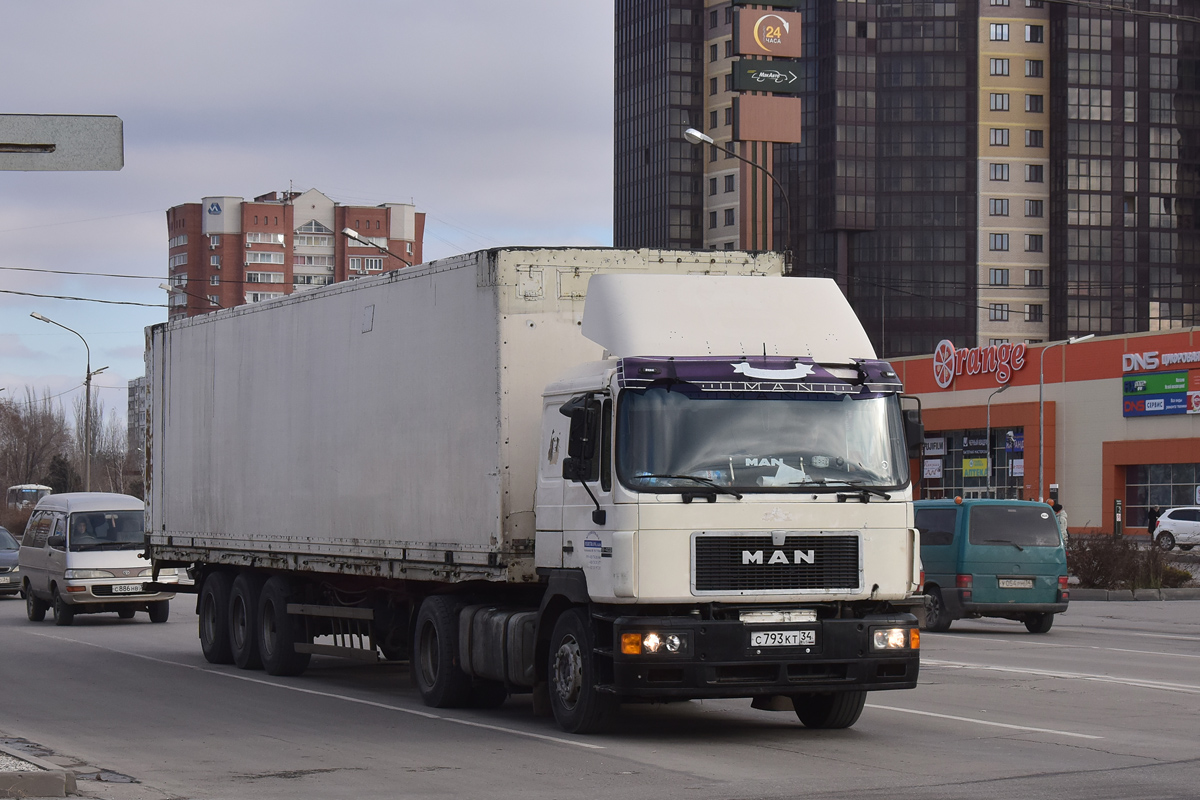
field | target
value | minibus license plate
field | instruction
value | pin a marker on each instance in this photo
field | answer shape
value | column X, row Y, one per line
column 1016, row 583
column 782, row 638
column 127, row 588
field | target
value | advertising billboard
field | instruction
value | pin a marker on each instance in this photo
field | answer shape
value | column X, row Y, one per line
column 757, row 32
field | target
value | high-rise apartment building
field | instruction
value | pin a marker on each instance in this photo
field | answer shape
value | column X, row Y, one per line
column 985, row 171
column 224, row 251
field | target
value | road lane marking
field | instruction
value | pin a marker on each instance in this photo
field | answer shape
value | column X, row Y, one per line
column 1078, row 646
column 414, row 712
column 1185, row 688
column 984, row 722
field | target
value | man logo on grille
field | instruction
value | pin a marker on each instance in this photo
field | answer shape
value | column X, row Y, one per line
column 779, row 557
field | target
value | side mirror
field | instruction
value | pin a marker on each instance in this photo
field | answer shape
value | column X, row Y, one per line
column 57, row 541
column 576, row 469
column 914, row 428
column 582, row 441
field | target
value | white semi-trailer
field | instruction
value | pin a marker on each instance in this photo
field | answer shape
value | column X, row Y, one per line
column 602, row 476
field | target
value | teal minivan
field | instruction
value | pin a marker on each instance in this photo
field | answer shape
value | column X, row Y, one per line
column 991, row 558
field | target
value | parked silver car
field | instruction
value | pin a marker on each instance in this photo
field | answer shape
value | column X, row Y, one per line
column 1178, row 526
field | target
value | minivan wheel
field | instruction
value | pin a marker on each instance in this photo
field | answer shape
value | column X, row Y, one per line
column 35, row 607
column 126, row 613
column 937, row 616
column 1165, row 541
column 63, row 614
column 1039, row 623
column 160, row 610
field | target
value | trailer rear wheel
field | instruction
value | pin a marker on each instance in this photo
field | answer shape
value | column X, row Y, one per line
column 578, row 706
column 243, row 619
column 435, row 668
column 829, row 710
column 214, row 618
column 279, row 631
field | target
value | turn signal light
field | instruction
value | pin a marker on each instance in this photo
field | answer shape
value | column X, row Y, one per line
column 914, row 639
column 631, row 644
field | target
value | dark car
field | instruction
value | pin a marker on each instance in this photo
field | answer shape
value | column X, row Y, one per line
column 10, row 573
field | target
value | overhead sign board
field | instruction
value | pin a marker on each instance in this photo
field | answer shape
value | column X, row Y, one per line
column 1156, row 383
column 1155, row 405
column 767, row 118
column 1003, row 360
column 61, row 143
column 767, row 33
column 779, row 76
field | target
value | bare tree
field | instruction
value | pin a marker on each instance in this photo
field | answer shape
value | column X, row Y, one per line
column 108, row 447
column 32, row 432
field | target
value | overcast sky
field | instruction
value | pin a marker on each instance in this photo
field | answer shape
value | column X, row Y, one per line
column 494, row 118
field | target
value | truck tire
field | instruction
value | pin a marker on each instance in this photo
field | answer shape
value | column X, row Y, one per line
column 243, row 619
column 35, row 607
column 63, row 614
column 830, row 710
column 214, row 618
column 1039, row 623
column 160, row 610
column 937, row 616
column 279, row 631
column 578, row 705
column 435, row 668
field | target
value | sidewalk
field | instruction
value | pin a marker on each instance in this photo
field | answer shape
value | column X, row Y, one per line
column 1135, row 594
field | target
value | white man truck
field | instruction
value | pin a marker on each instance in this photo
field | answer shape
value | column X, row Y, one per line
column 600, row 476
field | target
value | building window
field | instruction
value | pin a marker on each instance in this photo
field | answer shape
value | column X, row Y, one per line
column 1033, row 68
column 729, row 48
column 712, row 120
column 1033, row 3
column 998, row 206
column 1034, row 277
column 999, row 66
column 214, row 261
column 177, row 241
column 177, row 261
column 729, row 82
column 266, row 238
column 264, row 277
column 712, row 18
column 179, row 280
column 712, row 155
column 1033, row 242
column 999, row 101
column 997, row 342
column 1033, row 208
column 1035, row 34
column 999, row 137
column 311, row 241
column 998, row 241
column 729, row 115
column 258, row 297
column 729, row 245
column 712, row 52
column 355, row 263
column 373, row 263
column 729, row 216
column 256, row 257
column 1034, row 103
column 214, row 280
column 998, row 277
column 729, row 183
column 999, row 2
column 1033, row 313
column 1035, row 138
column 998, row 312
column 213, row 300
column 712, row 220
column 999, row 32
column 712, row 186
column 214, row 240
column 999, row 172
column 712, row 86
column 1033, row 173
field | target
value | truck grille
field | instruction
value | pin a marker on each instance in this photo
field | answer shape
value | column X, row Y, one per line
column 727, row 563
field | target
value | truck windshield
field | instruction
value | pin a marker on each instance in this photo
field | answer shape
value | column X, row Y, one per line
column 106, row 530
column 672, row 440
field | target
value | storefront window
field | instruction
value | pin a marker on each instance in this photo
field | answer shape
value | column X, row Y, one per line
column 956, row 464
column 1162, row 485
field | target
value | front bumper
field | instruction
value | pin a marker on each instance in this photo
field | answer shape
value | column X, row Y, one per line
column 101, row 592
column 719, row 660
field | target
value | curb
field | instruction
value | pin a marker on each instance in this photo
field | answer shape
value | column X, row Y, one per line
column 50, row 781
column 1125, row 595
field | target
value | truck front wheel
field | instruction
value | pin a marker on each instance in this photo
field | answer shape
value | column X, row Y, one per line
column 829, row 710
column 243, row 620
column 578, row 706
column 435, row 668
column 279, row 631
column 214, row 618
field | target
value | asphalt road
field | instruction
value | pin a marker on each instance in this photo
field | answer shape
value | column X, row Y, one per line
column 1106, row 705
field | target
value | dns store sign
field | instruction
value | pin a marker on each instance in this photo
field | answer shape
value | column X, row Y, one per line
column 1002, row 360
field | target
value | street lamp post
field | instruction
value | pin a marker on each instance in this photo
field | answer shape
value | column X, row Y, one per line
column 989, row 437
column 354, row 235
column 87, row 402
column 1042, row 410
column 696, row 137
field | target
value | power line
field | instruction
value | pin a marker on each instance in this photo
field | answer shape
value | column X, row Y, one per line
column 85, row 274
column 78, row 221
column 84, row 299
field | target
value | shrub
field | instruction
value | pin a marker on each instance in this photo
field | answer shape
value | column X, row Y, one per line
column 1101, row 562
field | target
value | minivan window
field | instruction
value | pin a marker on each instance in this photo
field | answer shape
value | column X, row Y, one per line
column 1022, row 526
column 106, row 530
column 37, row 530
column 936, row 525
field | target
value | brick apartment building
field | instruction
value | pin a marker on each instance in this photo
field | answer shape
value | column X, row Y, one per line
column 224, row 251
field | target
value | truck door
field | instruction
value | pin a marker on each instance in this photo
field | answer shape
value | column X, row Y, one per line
column 548, row 500
column 585, row 539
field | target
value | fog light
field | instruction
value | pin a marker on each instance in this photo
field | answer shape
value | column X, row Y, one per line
column 672, row 643
column 631, row 644
column 889, row 639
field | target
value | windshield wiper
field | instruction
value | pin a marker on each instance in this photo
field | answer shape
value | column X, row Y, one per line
column 858, row 485
column 702, row 481
column 1004, row 541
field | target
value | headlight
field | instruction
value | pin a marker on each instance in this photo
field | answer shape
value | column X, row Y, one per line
column 149, row 573
column 15, row 570
column 895, row 639
column 653, row 643
column 87, row 574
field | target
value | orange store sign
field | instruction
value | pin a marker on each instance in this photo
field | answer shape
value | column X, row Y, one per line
column 1002, row 360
